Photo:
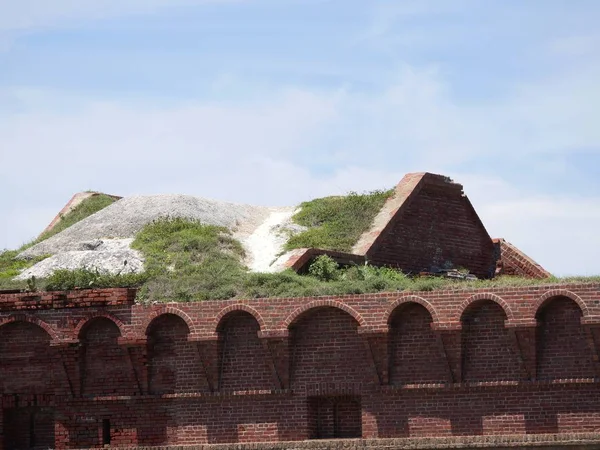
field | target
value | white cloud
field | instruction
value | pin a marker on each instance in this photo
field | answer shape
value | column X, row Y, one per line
column 559, row 232
column 280, row 149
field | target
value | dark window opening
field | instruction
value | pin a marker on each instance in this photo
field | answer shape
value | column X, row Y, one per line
column 334, row 417
column 105, row 431
column 27, row 428
column 32, row 430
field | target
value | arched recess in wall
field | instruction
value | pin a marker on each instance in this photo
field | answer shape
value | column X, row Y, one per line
column 173, row 361
column 104, row 365
column 414, row 351
column 562, row 349
column 28, row 365
column 326, row 348
column 243, row 361
column 487, row 352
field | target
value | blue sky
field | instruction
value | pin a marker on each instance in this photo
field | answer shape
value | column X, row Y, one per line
column 277, row 101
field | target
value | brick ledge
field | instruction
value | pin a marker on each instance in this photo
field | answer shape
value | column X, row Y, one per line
column 542, row 441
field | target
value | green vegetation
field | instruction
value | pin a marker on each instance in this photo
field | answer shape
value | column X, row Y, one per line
column 336, row 223
column 188, row 261
column 62, row 280
column 86, row 208
column 10, row 266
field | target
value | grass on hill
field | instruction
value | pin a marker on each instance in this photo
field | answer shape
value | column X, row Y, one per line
column 188, row 261
column 86, row 208
column 10, row 266
column 336, row 223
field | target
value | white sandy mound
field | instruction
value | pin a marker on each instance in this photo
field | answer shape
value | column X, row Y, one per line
column 102, row 240
column 106, row 256
column 266, row 243
column 124, row 218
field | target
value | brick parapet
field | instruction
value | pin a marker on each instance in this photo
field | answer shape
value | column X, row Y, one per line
column 80, row 298
column 66, row 312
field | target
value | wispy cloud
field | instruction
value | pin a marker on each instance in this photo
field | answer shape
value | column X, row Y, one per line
column 277, row 103
column 28, row 15
column 294, row 144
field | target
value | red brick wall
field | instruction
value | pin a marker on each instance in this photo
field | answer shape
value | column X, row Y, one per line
column 437, row 227
column 27, row 365
column 562, row 348
column 415, row 354
column 501, row 361
column 512, row 261
column 105, row 365
column 244, row 360
column 487, row 352
column 498, row 410
column 173, row 363
column 327, row 348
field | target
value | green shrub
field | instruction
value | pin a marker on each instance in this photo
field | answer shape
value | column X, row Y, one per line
column 324, row 268
column 10, row 267
column 189, row 261
column 64, row 280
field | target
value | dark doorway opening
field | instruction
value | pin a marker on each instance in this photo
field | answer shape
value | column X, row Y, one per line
column 28, row 428
column 334, row 417
column 105, row 431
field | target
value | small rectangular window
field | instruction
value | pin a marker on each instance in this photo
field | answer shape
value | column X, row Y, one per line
column 105, row 431
column 32, row 442
column 334, row 417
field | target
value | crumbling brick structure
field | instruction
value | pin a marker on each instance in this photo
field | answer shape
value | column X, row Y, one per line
column 503, row 368
column 429, row 225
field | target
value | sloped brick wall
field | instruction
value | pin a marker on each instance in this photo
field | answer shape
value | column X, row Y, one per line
column 437, row 228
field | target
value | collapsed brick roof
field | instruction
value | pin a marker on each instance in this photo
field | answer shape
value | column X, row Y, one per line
column 428, row 225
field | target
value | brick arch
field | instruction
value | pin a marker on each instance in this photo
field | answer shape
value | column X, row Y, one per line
column 410, row 299
column 486, row 296
column 168, row 310
column 321, row 303
column 549, row 295
column 40, row 323
column 83, row 322
column 238, row 307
